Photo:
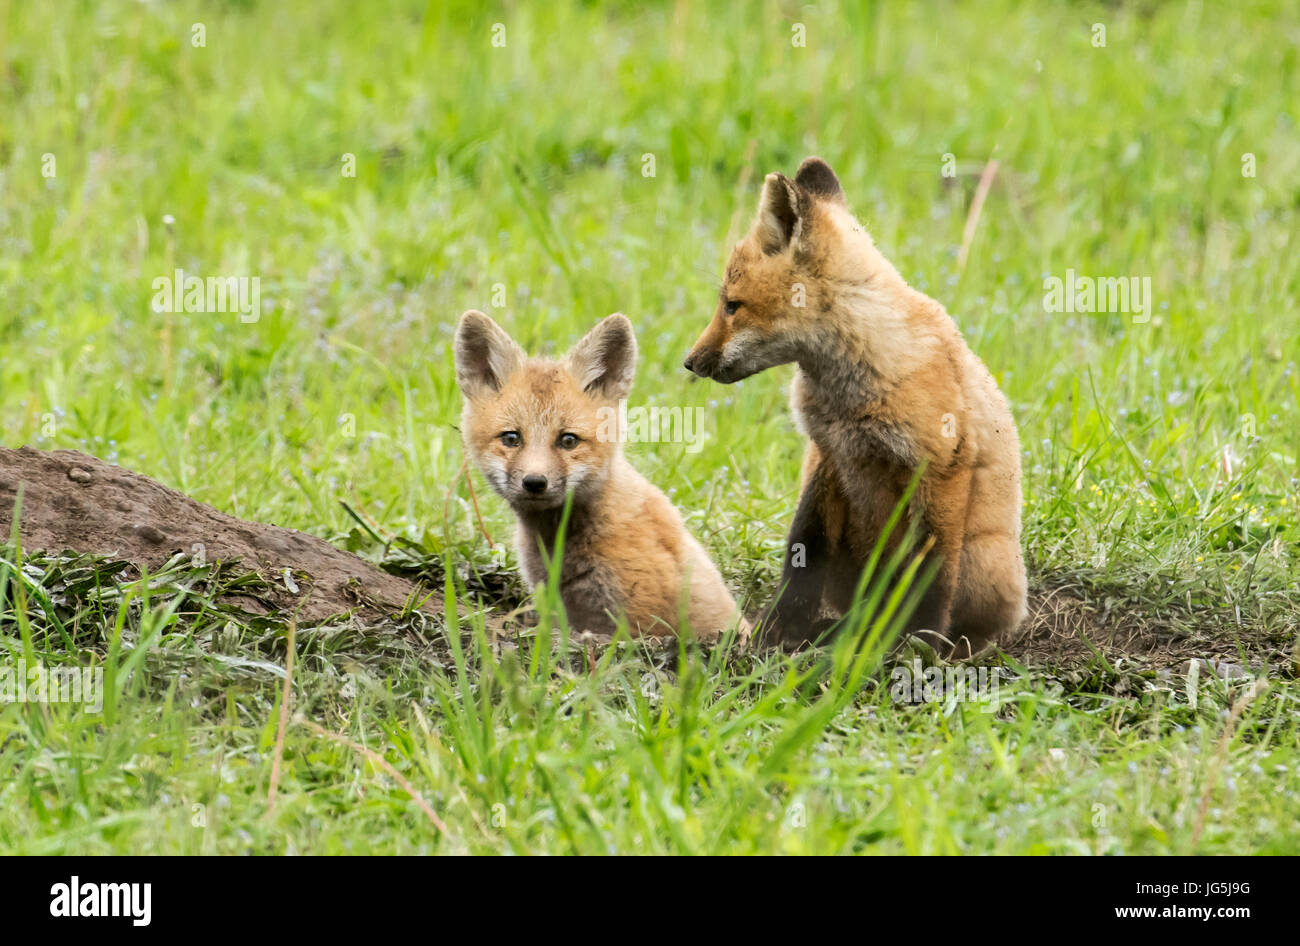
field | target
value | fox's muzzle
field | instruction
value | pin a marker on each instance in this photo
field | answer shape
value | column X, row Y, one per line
column 706, row 356
column 703, row 361
column 708, row 362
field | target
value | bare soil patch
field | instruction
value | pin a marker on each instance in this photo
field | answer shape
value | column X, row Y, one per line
column 1070, row 623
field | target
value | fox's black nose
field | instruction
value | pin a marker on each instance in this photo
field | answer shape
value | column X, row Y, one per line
column 535, row 483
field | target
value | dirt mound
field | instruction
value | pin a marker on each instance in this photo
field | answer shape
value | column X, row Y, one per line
column 76, row 502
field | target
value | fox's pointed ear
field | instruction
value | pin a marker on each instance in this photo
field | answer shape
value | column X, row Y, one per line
column 779, row 211
column 485, row 355
column 816, row 177
column 604, row 360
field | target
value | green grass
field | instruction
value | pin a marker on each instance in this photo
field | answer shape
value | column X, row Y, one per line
column 522, row 166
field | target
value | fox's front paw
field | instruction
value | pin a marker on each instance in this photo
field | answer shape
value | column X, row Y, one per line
column 744, row 632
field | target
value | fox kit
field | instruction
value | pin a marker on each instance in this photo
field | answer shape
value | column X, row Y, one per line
column 885, row 386
column 542, row 430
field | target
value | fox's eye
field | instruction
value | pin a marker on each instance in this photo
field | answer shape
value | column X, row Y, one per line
column 730, row 306
column 569, row 441
column 511, row 438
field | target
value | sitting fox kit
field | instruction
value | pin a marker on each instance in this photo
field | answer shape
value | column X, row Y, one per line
column 885, row 386
column 539, row 431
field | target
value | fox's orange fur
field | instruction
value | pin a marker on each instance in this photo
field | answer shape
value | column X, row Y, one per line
column 885, row 386
column 548, row 425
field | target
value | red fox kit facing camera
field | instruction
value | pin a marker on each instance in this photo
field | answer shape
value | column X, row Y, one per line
column 539, row 431
column 885, row 386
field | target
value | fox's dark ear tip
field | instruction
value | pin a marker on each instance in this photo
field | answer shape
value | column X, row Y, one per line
column 622, row 325
column 816, row 177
